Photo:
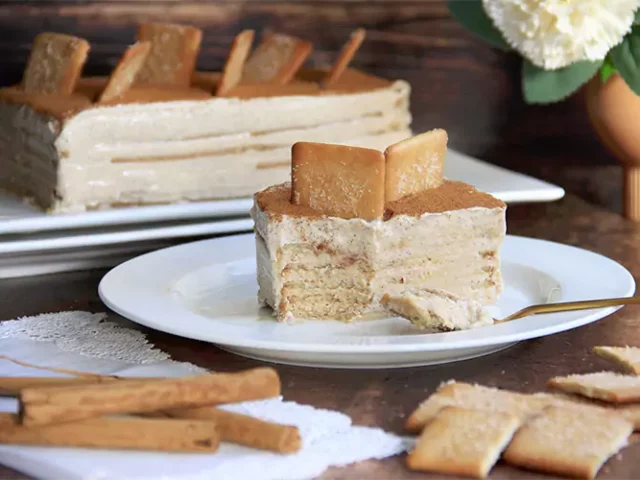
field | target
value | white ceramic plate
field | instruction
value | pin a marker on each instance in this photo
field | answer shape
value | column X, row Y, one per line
column 18, row 217
column 207, row 291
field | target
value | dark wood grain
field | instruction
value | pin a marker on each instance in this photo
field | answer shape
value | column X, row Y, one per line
column 384, row 398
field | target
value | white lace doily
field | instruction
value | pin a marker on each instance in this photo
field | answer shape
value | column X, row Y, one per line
column 87, row 342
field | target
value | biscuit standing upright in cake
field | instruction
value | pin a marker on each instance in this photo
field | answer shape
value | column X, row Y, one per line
column 277, row 59
column 126, row 72
column 341, row 181
column 415, row 164
column 232, row 71
column 344, row 58
column 55, row 64
column 174, row 50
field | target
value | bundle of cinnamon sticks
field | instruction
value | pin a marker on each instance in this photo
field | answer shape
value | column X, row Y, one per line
column 164, row 414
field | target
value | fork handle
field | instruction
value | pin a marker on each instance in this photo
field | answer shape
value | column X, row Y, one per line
column 570, row 306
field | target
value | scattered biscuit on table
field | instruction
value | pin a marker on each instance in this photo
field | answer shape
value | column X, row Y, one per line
column 521, row 405
column 626, row 357
column 463, row 442
column 568, row 442
column 232, row 71
column 475, row 397
column 174, row 50
column 606, row 386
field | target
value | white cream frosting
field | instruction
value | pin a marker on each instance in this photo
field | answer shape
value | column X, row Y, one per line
column 190, row 150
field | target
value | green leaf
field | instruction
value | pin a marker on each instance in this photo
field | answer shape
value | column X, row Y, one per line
column 607, row 69
column 471, row 15
column 626, row 58
column 636, row 20
column 548, row 86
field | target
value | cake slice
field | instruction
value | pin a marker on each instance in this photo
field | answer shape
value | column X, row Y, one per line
column 334, row 255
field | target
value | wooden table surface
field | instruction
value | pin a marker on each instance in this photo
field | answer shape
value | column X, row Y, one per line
column 459, row 84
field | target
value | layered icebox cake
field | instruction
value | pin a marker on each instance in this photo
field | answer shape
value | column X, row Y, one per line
column 358, row 225
column 157, row 131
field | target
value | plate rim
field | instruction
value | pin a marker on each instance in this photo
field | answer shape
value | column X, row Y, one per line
column 355, row 349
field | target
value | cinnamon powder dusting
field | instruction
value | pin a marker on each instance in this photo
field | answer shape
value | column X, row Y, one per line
column 448, row 196
column 276, row 201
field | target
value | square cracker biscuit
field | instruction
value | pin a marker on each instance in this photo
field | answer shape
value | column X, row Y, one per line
column 232, row 71
column 173, row 55
column 415, row 164
column 606, row 386
column 626, row 357
column 463, row 442
column 475, row 397
column 126, row 72
column 277, row 59
column 338, row 181
column 568, row 442
column 55, row 64
column 523, row 406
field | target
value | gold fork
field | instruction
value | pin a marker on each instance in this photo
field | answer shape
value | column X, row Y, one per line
column 570, row 306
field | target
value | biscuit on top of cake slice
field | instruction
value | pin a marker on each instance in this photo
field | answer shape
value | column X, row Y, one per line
column 356, row 224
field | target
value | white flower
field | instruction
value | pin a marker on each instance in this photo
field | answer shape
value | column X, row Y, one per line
column 555, row 33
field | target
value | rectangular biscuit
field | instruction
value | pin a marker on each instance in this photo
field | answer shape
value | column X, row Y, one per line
column 568, row 442
column 55, row 64
column 338, row 181
column 626, row 357
column 475, row 397
column 415, row 164
column 345, row 56
column 173, row 55
column 606, row 386
column 463, row 442
column 523, row 406
column 232, row 71
column 277, row 59
column 126, row 72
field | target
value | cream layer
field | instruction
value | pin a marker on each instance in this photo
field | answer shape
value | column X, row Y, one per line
column 184, row 150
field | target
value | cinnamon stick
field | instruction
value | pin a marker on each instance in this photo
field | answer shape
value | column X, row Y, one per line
column 44, row 405
column 129, row 433
column 245, row 430
column 11, row 386
column 53, row 369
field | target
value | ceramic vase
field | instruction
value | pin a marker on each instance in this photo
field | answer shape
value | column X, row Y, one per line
column 614, row 112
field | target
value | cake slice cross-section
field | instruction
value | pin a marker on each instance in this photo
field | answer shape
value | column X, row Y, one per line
column 312, row 264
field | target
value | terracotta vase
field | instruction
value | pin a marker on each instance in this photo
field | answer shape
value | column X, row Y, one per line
column 614, row 112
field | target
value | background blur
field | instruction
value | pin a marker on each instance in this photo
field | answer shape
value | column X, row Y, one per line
column 459, row 83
